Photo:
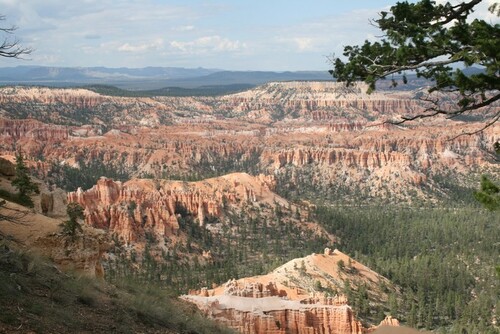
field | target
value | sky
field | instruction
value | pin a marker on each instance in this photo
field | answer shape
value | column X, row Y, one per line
column 276, row 35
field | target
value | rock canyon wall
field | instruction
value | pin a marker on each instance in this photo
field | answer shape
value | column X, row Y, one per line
column 131, row 208
column 301, row 140
column 304, row 133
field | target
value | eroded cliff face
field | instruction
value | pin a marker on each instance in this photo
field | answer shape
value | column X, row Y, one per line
column 79, row 107
column 291, row 317
column 310, row 139
column 84, row 254
column 32, row 129
column 289, row 299
column 41, row 234
column 131, row 208
column 304, row 133
column 319, row 101
column 81, row 98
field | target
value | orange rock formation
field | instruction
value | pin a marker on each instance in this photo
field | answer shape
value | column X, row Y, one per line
column 285, row 300
column 108, row 205
column 336, row 132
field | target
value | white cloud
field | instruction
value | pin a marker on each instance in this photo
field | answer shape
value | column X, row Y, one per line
column 175, row 33
column 326, row 35
column 304, row 43
column 154, row 45
column 301, row 44
column 48, row 59
column 208, row 44
column 184, row 28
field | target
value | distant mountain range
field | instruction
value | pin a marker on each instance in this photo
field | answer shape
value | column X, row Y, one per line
column 176, row 81
column 146, row 78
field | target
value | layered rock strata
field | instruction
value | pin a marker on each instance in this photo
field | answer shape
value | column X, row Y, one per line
column 290, row 300
column 273, row 315
column 304, row 133
column 129, row 208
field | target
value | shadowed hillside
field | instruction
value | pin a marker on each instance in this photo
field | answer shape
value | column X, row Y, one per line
column 36, row 297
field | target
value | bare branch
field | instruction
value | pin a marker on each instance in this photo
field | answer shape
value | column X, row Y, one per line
column 11, row 48
column 475, row 106
column 495, row 119
column 412, row 118
column 396, row 69
column 434, row 111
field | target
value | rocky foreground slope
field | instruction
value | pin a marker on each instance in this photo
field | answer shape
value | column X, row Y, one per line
column 36, row 297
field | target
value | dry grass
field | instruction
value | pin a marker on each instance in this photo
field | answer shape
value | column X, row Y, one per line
column 36, row 297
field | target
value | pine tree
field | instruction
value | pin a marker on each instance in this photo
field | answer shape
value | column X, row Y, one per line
column 432, row 40
column 489, row 195
column 72, row 226
column 23, row 182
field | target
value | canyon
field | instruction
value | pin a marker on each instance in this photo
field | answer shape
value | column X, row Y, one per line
column 316, row 138
column 205, row 188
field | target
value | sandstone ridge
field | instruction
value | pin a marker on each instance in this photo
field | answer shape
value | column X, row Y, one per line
column 290, row 299
column 32, row 231
column 128, row 209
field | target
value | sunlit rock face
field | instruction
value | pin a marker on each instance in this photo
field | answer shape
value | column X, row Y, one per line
column 128, row 209
column 290, row 300
column 304, row 133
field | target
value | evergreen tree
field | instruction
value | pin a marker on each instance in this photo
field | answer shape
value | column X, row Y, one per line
column 489, row 195
column 23, row 182
column 433, row 41
column 72, row 226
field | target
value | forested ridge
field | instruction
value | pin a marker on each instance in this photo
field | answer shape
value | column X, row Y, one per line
column 249, row 242
column 443, row 258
